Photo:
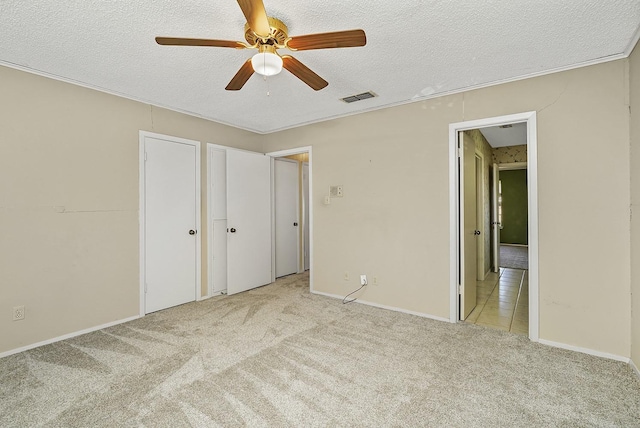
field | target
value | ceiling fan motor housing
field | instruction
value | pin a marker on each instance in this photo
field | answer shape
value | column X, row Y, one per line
column 279, row 33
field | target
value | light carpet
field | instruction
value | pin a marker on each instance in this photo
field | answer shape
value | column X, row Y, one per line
column 280, row 356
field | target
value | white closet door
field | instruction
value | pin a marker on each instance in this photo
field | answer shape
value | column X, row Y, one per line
column 248, row 220
column 171, row 206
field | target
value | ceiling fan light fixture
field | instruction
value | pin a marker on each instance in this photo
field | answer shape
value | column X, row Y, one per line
column 269, row 34
column 267, row 63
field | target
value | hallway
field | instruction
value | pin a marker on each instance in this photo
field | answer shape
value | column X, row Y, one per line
column 503, row 301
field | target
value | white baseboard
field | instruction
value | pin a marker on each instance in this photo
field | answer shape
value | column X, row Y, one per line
column 542, row 341
column 585, row 351
column 391, row 308
column 634, row 367
column 66, row 336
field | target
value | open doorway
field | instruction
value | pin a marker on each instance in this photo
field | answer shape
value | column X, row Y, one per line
column 302, row 157
column 502, row 300
column 291, row 214
column 476, row 222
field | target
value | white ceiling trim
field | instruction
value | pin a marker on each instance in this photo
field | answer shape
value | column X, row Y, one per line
column 325, row 119
column 465, row 89
column 633, row 42
column 115, row 93
column 109, row 46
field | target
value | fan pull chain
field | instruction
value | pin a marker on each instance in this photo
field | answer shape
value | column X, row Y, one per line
column 268, row 90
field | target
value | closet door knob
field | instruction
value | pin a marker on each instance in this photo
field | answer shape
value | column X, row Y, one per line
column 192, row 232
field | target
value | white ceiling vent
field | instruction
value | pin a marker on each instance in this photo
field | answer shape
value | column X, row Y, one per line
column 359, row 97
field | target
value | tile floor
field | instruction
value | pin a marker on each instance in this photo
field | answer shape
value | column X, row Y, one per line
column 503, row 301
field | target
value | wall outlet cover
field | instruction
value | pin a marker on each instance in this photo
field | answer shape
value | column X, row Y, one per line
column 336, row 191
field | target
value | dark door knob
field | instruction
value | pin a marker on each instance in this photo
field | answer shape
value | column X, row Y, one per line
column 477, row 232
column 295, row 224
column 192, row 232
column 233, row 230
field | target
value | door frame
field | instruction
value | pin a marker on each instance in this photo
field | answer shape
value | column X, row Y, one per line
column 532, row 187
column 480, row 254
column 297, row 151
column 143, row 135
column 494, row 227
column 298, row 213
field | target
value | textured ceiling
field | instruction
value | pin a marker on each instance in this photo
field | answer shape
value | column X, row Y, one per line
column 504, row 137
column 415, row 50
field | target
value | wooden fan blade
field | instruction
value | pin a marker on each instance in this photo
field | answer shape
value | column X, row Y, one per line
column 256, row 16
column 179, row 41
column 303, row 73
column 241, row 77
column 338, row 39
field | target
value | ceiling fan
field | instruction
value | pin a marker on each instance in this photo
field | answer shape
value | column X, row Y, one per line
column 269, row 34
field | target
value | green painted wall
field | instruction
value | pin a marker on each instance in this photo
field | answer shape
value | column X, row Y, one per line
column 514, row 207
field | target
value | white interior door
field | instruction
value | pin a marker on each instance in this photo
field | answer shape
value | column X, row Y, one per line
column 305, row 216
column 468, row 234
column 248, row 220
column 218, row 219
column 479, row 218
column 495, row 223
column 171, row 207
column 286, row 216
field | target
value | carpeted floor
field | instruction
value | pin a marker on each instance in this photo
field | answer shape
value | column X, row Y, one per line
column 279, row 356
column 512, row 256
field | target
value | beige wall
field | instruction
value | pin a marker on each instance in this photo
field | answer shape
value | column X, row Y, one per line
column 69, row 202
column 635, row 203
column 394, row 219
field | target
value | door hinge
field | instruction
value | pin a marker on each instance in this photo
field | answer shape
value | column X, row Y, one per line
column 459, row 152
column 145, row 156
column 145, row 287
column 459, row 289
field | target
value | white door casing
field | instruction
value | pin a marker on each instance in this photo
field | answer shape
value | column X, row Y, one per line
column 468, row 237
column 287, row 236
column 305, row 216
column 495, row 224
column 532, row 193
column 249, row 240
column 169, row 221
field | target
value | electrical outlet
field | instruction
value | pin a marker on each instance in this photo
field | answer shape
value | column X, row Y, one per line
column 346, row 276
column 336, row 191
column 374, row 280
column 363, row 279
column 18, row 313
